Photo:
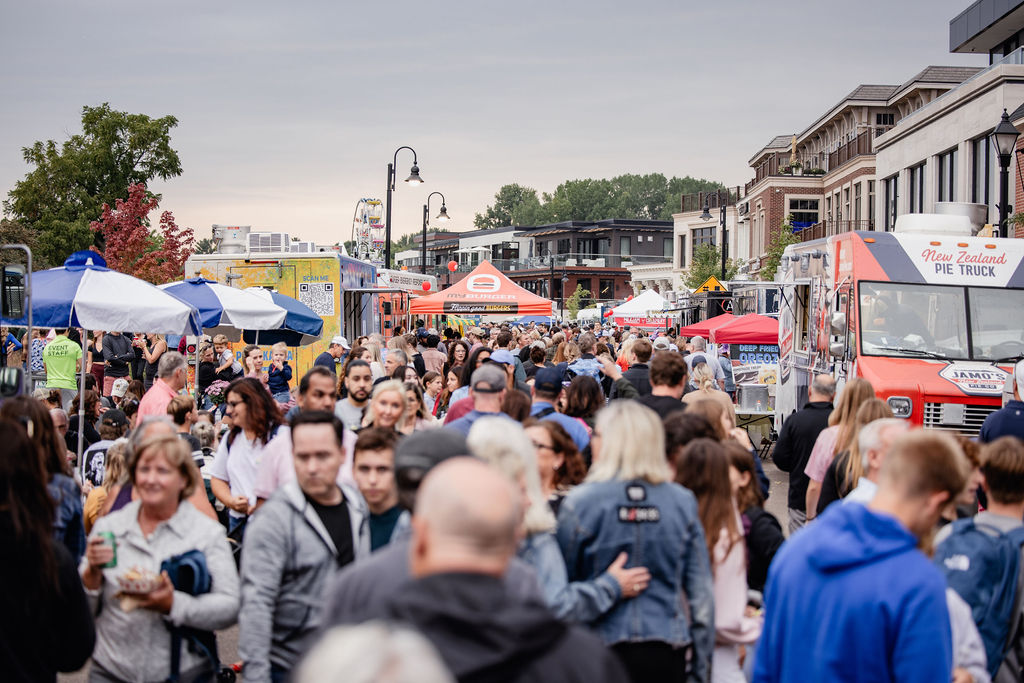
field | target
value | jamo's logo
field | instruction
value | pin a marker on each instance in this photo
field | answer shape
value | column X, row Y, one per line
column 483, row 283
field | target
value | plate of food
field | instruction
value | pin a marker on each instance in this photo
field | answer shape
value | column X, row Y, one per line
column 138, row 581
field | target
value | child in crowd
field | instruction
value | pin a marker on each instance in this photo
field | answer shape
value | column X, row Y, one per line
column 228, row 368
column 280, row 373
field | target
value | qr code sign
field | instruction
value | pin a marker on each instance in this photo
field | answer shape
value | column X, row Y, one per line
column 319, row 296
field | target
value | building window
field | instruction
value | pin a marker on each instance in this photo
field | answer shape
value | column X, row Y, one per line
column 666, row 248
column 565, row 246
column 884, row 122
column 682, row 251
column 624, row 245
column 584, row 282
column 947, row 177
column 982, row 163
column 892, row 200
column 839, row 208
column 871, row 204
column 703, row 236
column 915, row 188
column 828, row 208
column 804, row 212
column 846, row 203
column 857, row 202
column 607, row 289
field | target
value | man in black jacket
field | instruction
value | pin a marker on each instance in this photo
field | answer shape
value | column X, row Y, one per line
column 464, row 536
column 796, row 440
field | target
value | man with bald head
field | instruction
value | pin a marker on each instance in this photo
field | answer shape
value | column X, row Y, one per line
column 463, row 538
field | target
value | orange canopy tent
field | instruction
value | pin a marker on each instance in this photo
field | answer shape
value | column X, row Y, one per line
column 485, row 291
column 747, row 329
column 703, row 328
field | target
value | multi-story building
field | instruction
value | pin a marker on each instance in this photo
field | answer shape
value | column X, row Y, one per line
column 942, row 151
column 700, row 222
column 825, row 177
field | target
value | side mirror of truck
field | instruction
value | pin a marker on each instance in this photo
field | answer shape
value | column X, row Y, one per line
column 839, row 326
column 12, row 292
column 837, row 349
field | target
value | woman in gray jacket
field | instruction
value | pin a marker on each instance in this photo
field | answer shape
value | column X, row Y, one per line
column 132, row 618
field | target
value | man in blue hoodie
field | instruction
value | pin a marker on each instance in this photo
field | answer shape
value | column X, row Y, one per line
column 850, row 597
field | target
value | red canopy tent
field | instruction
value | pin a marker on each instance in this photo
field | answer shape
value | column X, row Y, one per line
column 703, row 329
column 485, row 291
column 747, row 329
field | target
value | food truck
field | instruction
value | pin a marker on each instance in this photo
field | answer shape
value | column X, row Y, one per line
column 341, row 290
column 396, row 289
column 932, row 316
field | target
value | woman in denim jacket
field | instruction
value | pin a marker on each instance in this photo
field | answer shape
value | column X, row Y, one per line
column 628, row 503
column 506, row 445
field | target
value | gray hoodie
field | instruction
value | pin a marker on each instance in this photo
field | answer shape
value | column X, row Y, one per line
column 287, row 562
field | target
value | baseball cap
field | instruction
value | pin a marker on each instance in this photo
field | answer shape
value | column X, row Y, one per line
column 340, row 341
column 421, row 332
column 114, row 418
column 661, row 343
column 698, row 359
column 417, row 453
column 548, row 380
column 502, row 356
column 488, row 379
column 119, row 388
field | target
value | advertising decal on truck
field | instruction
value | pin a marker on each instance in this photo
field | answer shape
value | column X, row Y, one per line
column 975, row 380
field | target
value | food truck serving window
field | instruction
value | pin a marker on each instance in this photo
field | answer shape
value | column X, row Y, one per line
column 936, row 321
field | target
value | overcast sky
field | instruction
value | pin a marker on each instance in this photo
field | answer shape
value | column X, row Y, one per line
column 289, row 112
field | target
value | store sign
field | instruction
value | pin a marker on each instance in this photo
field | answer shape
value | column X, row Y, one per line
column 642, row 322
column 967, row 261
column 480, row 308
column 975, row 380
column 755, row 354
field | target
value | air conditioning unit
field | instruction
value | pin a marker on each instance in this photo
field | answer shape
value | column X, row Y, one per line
column 264, row 242
column 303, row 247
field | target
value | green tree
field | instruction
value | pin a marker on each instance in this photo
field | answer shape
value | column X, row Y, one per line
column 13, row 232
column 572, row 304
column 71, row 182
column 707, row 261
column 506, row 201
column 205, row 246
column 776, row 245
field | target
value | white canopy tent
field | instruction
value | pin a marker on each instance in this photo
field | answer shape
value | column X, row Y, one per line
column 649, row 301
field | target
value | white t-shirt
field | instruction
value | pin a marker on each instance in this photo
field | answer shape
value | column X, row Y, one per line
column 241, row 465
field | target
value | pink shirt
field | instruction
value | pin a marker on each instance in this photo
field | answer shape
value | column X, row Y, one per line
column 732, row 626
column 155, row 401
column 277, row 467
column 821, row 454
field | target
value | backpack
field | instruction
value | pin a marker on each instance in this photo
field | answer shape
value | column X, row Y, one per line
column 982, row 564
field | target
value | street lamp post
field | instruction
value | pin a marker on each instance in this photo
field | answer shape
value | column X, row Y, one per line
column 441, row 216
column 413, row 179
column 1004, row 137
column 706, row 216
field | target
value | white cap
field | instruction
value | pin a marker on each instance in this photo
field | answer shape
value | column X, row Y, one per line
column 340, row 341
column 662, row 343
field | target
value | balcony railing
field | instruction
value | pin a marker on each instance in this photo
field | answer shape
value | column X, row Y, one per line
column 716, row 198
column 541, row 264
column 859, row 146
column 830, row 228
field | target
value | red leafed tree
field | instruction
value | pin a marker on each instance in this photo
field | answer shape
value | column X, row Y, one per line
column 132, row 247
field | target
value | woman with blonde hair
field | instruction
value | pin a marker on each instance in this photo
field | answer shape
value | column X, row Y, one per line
column 704, row 379
column 847, row 467
column 416, row 415
column 506, row 446
column 387, row 407
column 376, row 363
column 629, row 503
column 835, row 438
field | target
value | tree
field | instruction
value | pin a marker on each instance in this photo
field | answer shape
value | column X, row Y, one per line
column 572, row 304
column 13, row 232
column 507, row 201
column 776, row 245
column 131, row 247
column 205, row 246
column 71, row 182
column 707, row 261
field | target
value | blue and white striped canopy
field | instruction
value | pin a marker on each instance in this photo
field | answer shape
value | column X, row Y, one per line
column 83, row 293
column 301, row 325
column 226, row 310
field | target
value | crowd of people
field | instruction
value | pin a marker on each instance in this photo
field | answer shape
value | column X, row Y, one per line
column 535, row 503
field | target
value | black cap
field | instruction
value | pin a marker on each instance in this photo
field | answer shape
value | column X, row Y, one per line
column 548, row 380
column 698, row 358
column 424, row 449
column 114, row 418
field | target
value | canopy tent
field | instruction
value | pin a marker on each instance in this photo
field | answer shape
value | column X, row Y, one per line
column 747, row 329
column 535, row 320
column 704, row 328
column 485, row 291
column 226, row 310
column 647, row 302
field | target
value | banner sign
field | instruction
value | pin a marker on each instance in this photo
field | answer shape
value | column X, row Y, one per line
column 644, row 322
column 480, row 308
column 755, row 354
column 975, row 380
